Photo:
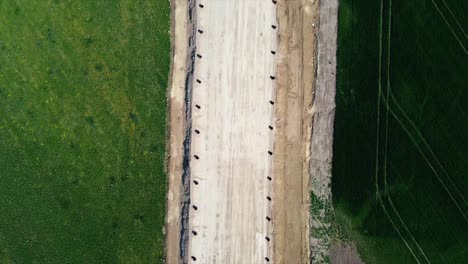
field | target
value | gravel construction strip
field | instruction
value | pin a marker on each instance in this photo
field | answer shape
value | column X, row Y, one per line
column 224, row 117
column 231, row 144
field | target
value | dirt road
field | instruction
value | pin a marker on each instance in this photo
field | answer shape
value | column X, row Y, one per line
column 241, row 113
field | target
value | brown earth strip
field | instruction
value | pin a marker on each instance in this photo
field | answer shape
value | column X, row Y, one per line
column 176, row 127
column 295, row 89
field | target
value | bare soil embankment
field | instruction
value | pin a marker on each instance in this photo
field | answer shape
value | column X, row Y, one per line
column 295, row 88
column 177, row 126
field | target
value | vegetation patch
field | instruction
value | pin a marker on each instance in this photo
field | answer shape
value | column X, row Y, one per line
column 399, row 147
column 327, row 227
column 82, row 130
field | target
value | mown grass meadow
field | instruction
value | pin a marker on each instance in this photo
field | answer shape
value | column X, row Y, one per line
column 82, row 130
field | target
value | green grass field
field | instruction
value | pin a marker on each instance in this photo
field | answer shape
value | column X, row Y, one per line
column 400, row 170
column 82, row 130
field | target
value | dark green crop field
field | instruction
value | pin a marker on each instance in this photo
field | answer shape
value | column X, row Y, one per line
column 400, row 170
column 82, row 130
